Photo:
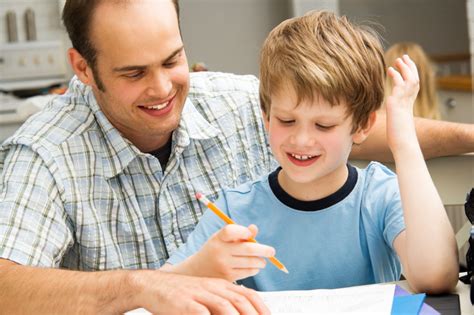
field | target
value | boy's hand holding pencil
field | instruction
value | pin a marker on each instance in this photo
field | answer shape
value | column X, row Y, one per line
column 232, row 253
column 228, row 254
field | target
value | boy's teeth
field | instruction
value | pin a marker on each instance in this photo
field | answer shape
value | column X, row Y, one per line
column 302, row 157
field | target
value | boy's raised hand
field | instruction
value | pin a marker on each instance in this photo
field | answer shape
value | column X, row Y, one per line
column 228, row 254
column 399, row 104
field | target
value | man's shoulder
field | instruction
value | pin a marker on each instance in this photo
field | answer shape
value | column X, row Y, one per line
column 208, row 84
column 59, row 122
column 216, row 95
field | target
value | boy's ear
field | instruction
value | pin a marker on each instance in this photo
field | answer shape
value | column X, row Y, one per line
column 363, row 132
column 80, row 67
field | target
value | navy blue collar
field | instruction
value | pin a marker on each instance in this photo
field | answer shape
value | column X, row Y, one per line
column 313, row 205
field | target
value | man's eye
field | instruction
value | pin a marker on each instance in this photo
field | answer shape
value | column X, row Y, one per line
column 170, row 64
column 134, row 75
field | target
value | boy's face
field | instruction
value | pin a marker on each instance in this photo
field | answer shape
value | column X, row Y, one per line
column 311, row 142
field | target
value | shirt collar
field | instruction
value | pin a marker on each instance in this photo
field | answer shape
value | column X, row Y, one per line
column 120, row 151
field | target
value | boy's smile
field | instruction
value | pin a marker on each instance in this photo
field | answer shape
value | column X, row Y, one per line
column 302, row 160
column 311, row 141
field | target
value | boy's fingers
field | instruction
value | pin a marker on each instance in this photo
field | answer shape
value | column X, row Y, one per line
column 254, row 229
column 404, row 69
column 395, row 75
column 253, row 249
column 407, row 69
column 242, row 273
column 246, row 262
column 234, row 233
column 411, row 64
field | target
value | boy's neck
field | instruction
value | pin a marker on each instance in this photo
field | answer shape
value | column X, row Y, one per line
column 317, row 189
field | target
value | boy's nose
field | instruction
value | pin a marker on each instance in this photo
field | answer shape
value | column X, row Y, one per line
column 302, row 137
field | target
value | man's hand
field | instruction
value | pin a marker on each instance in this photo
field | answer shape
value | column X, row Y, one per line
column 58, row 291
column 168, row 293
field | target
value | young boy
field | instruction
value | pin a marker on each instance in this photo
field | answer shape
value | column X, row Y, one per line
column 332, row 225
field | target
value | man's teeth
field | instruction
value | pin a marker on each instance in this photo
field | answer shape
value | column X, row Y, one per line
column 302, row 157
column 157, row 107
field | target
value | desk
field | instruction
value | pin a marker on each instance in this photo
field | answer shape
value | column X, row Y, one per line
column 462, row 289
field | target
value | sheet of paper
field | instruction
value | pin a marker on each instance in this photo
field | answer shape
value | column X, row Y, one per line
column 369, row 299
column 375, row 299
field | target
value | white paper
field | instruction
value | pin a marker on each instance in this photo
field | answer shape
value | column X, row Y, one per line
column 370, row 299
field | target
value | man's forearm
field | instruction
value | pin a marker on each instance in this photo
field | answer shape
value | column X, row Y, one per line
column 436, row 138
column 31, row 290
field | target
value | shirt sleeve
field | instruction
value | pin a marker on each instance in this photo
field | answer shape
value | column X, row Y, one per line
column 384, row 193
column 383, row 222
column 33, row 223
column 209, row 224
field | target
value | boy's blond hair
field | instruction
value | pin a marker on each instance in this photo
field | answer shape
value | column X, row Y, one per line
column 426, row 103
column 326, row 55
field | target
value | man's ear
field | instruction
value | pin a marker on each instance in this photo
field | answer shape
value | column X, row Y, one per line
column 363, row 132
column 80, row 67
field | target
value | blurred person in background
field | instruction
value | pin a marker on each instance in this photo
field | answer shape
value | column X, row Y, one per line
column 426, row 103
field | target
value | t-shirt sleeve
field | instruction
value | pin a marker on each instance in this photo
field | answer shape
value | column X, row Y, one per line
column 383, row 188
column 33, row 223
column 209, row 224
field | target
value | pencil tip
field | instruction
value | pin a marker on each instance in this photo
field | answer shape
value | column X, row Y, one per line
column 285, row 270
column 198, row 195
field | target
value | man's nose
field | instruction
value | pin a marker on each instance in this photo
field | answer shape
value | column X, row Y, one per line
column 159, row 85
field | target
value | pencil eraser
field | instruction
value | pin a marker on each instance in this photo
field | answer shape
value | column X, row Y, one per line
column 198, row 195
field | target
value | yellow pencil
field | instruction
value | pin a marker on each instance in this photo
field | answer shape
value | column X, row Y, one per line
column 228, row 220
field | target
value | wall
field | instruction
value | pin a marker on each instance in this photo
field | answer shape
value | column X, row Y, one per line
column 440, row 26
column 47, row 18
column 227, row 34
column 46, row 15
column 299, row 7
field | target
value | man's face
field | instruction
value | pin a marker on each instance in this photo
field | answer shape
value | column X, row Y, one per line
column 143, row 67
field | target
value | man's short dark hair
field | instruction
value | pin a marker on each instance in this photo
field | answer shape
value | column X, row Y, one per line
column 77, row 16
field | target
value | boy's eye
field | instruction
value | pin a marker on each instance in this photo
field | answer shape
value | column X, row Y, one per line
column 285, row 122
column 323, row 127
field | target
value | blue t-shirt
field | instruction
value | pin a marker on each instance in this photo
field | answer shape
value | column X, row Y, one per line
column 342, row 240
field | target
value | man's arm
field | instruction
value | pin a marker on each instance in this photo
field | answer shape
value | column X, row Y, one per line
column 436, row 138
column 31, row 290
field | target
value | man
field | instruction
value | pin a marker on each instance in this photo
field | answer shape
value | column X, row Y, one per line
column 103, row 178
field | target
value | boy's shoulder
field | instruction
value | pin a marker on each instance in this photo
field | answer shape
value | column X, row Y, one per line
column 249, row 191
column 377, row 170
column 377, row 184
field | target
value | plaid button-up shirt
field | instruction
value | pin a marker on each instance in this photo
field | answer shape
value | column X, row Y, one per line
column 75, row 194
